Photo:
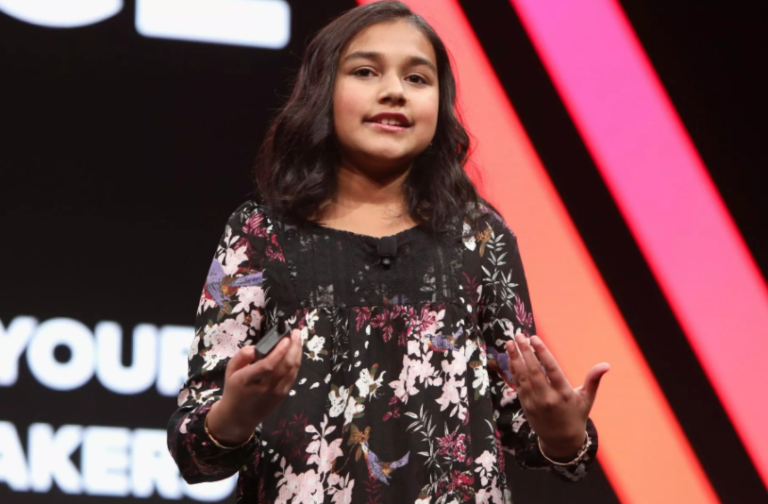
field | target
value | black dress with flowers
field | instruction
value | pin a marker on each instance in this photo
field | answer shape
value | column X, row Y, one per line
column 403, row 395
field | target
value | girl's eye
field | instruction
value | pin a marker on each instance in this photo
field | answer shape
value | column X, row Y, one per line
column 419, row 79
column 362, row 72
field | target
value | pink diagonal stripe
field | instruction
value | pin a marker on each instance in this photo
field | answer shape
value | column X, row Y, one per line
column 666, row 196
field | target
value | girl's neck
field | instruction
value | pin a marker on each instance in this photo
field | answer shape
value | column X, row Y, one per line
column 366, row 204
column 355, row 186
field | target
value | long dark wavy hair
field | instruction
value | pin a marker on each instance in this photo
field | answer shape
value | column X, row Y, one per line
column 296, row 166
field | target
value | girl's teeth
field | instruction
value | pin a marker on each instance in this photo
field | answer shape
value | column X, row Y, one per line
column 391, row 122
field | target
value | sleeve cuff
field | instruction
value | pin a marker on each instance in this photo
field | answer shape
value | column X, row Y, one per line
column 210, row 455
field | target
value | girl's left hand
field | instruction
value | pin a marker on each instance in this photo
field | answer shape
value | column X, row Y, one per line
column 555, row 410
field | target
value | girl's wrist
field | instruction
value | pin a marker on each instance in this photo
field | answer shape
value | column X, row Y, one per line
column 563, row 449
column 223, row 430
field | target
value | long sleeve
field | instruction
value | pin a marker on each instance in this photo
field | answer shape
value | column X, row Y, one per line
column 505, row 310
column 228, row 317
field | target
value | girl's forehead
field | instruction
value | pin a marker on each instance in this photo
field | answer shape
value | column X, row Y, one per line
column 394, row 39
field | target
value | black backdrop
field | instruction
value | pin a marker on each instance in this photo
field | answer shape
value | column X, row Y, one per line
column 122, row 157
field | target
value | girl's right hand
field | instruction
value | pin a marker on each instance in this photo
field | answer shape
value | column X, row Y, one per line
column 252, row 390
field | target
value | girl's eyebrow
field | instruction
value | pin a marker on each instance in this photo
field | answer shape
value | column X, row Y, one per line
column 377, row 56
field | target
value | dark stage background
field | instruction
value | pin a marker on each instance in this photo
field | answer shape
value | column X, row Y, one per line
column 123, row 155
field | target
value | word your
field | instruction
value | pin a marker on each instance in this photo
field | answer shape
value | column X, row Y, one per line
column 159, row 356
column 254, row 23
column 114, row 461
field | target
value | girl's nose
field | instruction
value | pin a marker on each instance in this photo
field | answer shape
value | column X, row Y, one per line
column 392, row 89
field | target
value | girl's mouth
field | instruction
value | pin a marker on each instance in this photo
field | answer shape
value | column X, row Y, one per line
column 394, row 128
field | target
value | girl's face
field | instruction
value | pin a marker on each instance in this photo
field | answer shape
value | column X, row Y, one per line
column 387, row 74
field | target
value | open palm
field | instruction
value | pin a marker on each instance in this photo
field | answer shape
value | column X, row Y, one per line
column 555, row 410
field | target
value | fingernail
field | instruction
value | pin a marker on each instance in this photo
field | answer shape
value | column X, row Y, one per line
column 535, row 339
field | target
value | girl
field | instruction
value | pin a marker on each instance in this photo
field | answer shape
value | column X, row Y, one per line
column 410, row 366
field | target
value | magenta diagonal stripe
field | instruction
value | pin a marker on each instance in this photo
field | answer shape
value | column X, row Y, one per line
column 666, row 196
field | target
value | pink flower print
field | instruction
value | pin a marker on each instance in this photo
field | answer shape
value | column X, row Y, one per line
column 363, row 316
column 367, row 385
column 338, row 398
column 183, row 428
column 525, row 318
column 233, row 259
column 310, row 488
column 518, row 419
column 499, row 448
column 353, row 408
column 457, row 482
column 509, row 329
column 485, row 462
column 249, row 296
column 422, row 368
column 284, row 495
column 469, row 237
column 458, row 366
column 379, row 320
column 255, row 225
column 414, row 347
column 183, row 396
column 289, row 484
column 460, row 447
column 324, row 454
column 206, row 302
column 223, row 340
column 453, row 444
column 430, row 322
column 344, row 494
column 508, row 395
column 453, row 393
column 405, row 386
column 274, row 251
column 446, row 443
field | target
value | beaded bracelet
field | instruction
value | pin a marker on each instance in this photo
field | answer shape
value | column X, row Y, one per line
column 579, row 455
column 217, row 443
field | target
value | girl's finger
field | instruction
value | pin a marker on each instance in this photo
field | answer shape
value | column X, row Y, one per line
column 292, row 359
column 551, row 367
column 241, row 359
column 533, row 369
column 593, row 380
column 298, row 347
column 269, row 364
column 288, row 363
column 517, row 366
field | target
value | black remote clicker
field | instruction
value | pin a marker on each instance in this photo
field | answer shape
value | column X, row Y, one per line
column 273, row 337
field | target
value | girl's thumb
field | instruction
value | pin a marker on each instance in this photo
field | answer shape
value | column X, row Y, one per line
column 592, row 382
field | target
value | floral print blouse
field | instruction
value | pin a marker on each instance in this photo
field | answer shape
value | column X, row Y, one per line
column 403, row 394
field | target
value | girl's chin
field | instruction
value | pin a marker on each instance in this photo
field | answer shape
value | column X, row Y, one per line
column 392, row 151
column 394, row 156
column 393, row 159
